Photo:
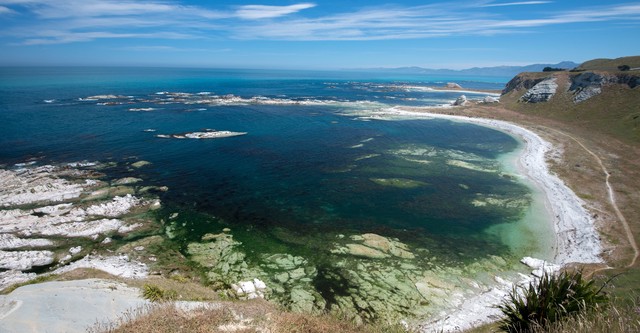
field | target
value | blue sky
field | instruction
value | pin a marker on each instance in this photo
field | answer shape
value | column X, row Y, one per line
column 315, row 34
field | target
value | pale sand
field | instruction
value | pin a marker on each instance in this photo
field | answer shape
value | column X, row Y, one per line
column 66, row 306
column 577, row 240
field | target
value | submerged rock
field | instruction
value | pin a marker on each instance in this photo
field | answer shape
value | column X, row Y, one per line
column 127, row 180
column 224, row 260
column 375, row 247
column 140, row 164
column 398, row 182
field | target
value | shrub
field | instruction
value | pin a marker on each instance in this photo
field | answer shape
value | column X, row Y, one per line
column 548, row 300
column 552, row 69
column 624, row 68
column 157, row 294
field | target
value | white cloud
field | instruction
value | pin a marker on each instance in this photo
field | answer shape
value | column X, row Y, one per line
column 253, row 12
column 422, row 22
column 5, row 10
column 78, row 21
column 516, row 3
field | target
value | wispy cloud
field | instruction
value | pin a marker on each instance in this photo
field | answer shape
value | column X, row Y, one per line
column 69, row 21
column 520, row 3
column 5, row 10
column 423, row 22
column 253, row 12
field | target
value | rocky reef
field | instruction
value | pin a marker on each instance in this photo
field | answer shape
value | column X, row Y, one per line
column 207, row 134
column 54, row 218
column 363, row 276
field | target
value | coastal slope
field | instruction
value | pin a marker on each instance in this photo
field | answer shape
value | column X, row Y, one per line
column 600, row 95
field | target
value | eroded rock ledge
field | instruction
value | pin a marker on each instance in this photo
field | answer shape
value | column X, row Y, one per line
column 55, row 218
column 541, row 87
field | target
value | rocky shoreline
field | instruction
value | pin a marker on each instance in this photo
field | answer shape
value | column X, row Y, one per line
column 577, row 240
column 57, row 218
column 49, row 214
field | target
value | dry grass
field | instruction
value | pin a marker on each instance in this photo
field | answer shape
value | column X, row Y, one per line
column 257, row 316
column 614, row 319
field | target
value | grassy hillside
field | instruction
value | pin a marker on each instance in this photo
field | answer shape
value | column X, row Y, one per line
column 610, row 64
column 615, row 112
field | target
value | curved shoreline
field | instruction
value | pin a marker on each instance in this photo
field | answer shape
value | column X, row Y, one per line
column 577, row 241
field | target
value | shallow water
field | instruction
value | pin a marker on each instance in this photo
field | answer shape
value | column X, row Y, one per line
column 310, row 173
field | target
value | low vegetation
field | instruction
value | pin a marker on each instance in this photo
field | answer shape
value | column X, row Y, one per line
column 551, row 299
column 154, row 293
column 247, row 317
column 617, row 318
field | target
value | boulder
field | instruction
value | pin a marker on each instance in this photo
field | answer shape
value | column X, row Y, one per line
column 461, row 101
column 490, row 99
column 453, row 85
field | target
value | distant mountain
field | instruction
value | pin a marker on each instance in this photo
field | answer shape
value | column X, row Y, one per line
column 479, row 71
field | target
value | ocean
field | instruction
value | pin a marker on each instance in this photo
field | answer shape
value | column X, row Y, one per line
column 321, row 165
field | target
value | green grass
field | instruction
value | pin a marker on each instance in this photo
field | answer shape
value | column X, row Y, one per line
column 615, row 112
column 610, row 64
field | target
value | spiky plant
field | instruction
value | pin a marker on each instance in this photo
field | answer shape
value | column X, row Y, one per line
column 548, row 300
column 156, row 294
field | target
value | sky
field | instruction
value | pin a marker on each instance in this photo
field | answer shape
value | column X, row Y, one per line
column 334, row 34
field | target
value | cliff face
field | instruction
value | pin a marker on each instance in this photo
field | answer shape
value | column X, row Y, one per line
column 541, row 87
column 595, row 96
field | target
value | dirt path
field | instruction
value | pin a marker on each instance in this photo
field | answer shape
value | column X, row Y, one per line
column 612, row 198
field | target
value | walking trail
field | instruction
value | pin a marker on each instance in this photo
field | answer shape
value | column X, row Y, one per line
column 612, row 198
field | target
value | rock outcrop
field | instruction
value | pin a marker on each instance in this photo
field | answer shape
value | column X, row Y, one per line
column 461, row 101
column 580, row 85
column 589, row 84
column 453, row 85
column 541, row 92
column 46, row 208
column 490, row 100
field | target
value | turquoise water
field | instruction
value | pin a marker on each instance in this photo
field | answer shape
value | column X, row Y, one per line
column 310, row 168
column 300, row 165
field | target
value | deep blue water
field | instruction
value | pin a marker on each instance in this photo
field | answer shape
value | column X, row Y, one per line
column 307, row 167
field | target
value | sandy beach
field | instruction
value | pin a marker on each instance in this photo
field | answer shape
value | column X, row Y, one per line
column 577, row 241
